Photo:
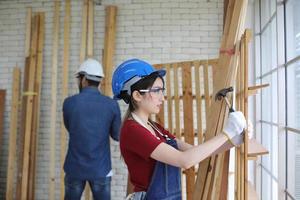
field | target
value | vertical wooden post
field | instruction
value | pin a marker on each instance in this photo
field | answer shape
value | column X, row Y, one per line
column 176, row 100
column 242, row 108
column 247, row 37
column 90, row 30
column 206, row 89
column 28, row 32
column 82, row 54
column 198, row 102
column 238, row 150
column 65, row 81
column 29, row 98
column 188, row 123
column 28, row 41
column 109, row 47
column 13, row 126
column 160, row 117
column 169, row 99
column 53, row 100
column 36, row 105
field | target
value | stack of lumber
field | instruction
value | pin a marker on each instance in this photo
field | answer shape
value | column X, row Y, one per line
column 212, row 178
column 30, row 112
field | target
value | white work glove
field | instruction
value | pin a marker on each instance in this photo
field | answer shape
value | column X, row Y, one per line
column 236, row 123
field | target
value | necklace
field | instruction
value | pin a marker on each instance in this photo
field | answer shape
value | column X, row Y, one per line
column 138, row 120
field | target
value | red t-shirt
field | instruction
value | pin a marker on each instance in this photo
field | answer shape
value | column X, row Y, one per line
column 137, row 144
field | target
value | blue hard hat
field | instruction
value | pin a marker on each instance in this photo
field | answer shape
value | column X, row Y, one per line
column 128, row 73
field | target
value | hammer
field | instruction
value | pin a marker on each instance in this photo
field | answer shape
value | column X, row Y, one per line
column 223, row 94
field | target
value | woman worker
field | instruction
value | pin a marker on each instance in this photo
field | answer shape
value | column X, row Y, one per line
column 153, row 155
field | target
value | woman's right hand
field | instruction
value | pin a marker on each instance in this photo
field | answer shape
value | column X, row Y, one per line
column 234, row 129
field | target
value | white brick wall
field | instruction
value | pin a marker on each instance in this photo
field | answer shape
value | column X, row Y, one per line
column 154, row 30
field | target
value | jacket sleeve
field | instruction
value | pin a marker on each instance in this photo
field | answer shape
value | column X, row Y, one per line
column 116, row 122
column 65, row 113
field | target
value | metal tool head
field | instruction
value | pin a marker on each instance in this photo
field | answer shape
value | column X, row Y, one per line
column 222, row 93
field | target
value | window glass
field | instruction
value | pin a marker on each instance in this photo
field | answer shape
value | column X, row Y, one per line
column 293, row 95
column 293, row 28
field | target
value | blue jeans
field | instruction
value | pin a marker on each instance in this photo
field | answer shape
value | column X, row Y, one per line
column 100, row 188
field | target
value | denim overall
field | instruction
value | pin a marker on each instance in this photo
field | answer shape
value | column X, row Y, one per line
column 166, row 180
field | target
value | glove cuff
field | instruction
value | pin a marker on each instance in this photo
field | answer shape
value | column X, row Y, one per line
column 229, row 139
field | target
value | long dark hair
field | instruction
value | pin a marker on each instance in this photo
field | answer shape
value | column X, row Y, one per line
column 143, row 84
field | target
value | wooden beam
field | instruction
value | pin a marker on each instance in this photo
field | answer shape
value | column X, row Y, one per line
column 257, row 87
column 218, row 110
column 109, row 47
column 13, row 127
column 198, row 102
column 90, row 38
column 210, row 62
column 53, row 100
column 246, row 40
column 36, row 106
column 176, row 102
column 160, row 117
column 84, row 25
column 252, row 195
column 65, row 81
column 22, row 128
column 226, row 2
column 256, row 149
column 188, row 123
column 28, row 32
column 206, row 90
column 29, row 98
column 169, row 100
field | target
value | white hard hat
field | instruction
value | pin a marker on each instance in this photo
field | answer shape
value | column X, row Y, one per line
column 92, row 70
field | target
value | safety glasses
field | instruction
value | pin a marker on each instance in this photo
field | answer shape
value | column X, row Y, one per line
column 155, row 91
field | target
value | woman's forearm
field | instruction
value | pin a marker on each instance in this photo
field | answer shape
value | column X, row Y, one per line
column 196, row 154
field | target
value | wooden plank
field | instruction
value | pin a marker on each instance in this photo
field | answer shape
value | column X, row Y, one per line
column 29, row 98
column 22, row 128
column 2, row 108
column 257, row 87
column 28, row 32
column 169, row 100
column 84, row 25
column 176, row 101
column 109, row 46
column 65, row 81
column 246, row 140
column 252, row 195
column 90, row 38
column 198, row 102
column 242, row 108
column 52, row 181
column 206, row 89
column 256, row 149
column 201, row 62
column 160, row 117
column 13, row 127
column 224, row 183
column 218, row 110
column 36, row 106
column 188, row 123
column 206, row 194
column 238, row 150
column 220, row 170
